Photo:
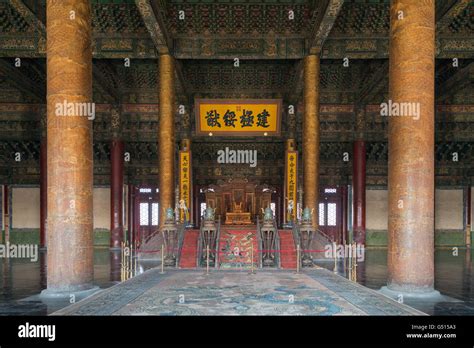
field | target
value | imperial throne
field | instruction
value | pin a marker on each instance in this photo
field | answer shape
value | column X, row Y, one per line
column 237, row 216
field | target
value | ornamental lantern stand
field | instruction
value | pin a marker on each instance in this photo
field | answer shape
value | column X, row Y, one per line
column 306, row 237
column 208, row 237
column 170, row 237
column 268, row 237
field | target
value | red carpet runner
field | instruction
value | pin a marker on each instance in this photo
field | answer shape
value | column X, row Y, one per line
column 288, row 250
column 235, row 247
column 189, row 250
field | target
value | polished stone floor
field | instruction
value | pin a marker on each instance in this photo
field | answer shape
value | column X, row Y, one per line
column 20, row 279
column 454, row 277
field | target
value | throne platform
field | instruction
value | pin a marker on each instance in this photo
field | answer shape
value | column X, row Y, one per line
column 237, row 216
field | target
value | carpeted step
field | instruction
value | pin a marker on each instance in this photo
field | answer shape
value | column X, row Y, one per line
column 288, row 249
column 189, row 249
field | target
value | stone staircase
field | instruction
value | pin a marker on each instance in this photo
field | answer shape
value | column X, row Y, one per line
column 287, row 249
column 189, row 250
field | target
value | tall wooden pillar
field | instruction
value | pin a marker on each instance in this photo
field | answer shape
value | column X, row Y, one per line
column 196, row 205
column 116, row 193
column 137, row 236
column 411, row 148
column 70, row 161
column 166, row 135
column 280, row 205
column 115, row 265
column 311, row 136
column 43, row 271
column 130, row 210
column 358, row 177
column 344, row 215
column 116, row 183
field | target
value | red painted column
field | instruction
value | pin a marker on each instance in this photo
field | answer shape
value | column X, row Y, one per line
column 43, row 270
column 196, row 205
column 358, row 178
column 136, row 216
column 115, row 265
column 344, row 214
column 116, row 194
column 5, row 199
column 43, row 192
column 130, row 201
column 279, row 205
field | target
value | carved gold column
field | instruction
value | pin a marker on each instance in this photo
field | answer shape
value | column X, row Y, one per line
column 69, row 148
column 166, row 136
column 311, row 136
column 411, row 148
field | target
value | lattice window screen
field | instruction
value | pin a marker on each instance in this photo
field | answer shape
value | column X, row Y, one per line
column 332, row 214
column 144, row 218
column 154, row 214
column 322, row 221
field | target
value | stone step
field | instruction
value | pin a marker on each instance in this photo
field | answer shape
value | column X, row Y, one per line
column 287, row 245
column 189, row 252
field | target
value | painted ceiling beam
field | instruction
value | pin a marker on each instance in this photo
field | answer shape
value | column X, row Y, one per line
column 316, row 43
column 373, row 83
column 33, row 20
column 111, row 93
column 155, row 28
column 324, row 27
column 447, row 18
column 295, row 88
column 462, row 79
column 158, row 33
column 20, row 81
column 107, row 90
